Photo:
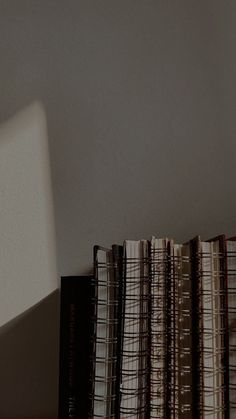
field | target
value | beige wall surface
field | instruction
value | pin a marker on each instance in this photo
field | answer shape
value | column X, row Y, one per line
column 28, row 271
column 140, row 100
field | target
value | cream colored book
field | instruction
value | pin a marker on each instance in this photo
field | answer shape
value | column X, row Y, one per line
column 207, row 332
column 105, row 341
column 213, row 342
column 130, row 356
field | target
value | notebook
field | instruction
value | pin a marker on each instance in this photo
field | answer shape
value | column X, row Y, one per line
column 231, row 276
column 144, row 358
column 134, row 370
column 118, row 268
column 184, row 348
column 105, row 337
column 171, row 364
column 76, row 329
column 158, row 259
column 214, row 332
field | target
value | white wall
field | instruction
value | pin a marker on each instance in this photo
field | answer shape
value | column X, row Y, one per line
column 140, row 103
column 140, row 98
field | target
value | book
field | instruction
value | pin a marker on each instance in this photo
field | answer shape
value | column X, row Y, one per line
column 214, row 329
column 171, row 360
column 158, row 260
column 231, row 278
column 208, row 332
column 220, row 326
column 197, row 327
column 106, row 334
column 183, row 323
column 160, row 339
column 118, row 267
column 144, row 358
column 179, row 332
column 76, row 329
column 134, row 373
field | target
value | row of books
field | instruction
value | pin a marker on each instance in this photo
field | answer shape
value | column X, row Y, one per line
column 152, row 333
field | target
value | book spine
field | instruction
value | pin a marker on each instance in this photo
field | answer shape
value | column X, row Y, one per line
column 225, row 325
column 67, row 379
column 157, row 327
column 170, row 366
column 196, row 330
column 117, row 254
column 144, row 335
column 105, row 336
column 74, row 368
column 221, row 320
column 231, row 299
column 149, row 339
column 131, row 374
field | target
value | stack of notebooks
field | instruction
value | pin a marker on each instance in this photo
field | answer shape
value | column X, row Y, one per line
column 152, row 334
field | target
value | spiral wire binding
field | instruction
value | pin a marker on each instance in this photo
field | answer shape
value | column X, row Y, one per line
column 212, row 333
column 158, row 306
column 231, row 260
column 158, row 332
column 135, row 339
column 104, row 340
column 173, row 348
column 171, row 371
column 183, row 383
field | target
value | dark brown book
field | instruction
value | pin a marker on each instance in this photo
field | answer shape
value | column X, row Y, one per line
column 76, row 329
